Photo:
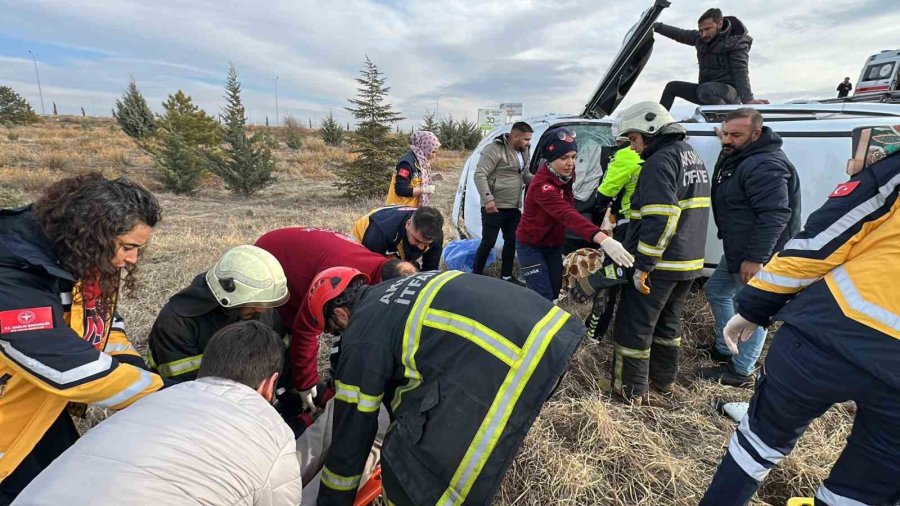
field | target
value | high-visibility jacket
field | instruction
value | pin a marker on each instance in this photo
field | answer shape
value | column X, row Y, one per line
column 53, row 350
column 837, row 279
column 184, row 326
column 670, row 211
column 464, row 364
column 405, row 179
column 619, row 182
column 383, row 230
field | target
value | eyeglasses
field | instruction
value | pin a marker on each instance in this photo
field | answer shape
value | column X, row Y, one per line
column 565, row 135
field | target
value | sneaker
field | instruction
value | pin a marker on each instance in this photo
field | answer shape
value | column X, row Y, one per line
column 514, row 280
column 724, row 374
column 713, row 353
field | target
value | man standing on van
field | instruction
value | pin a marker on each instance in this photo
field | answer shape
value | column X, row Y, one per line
column 844, row 88
column 723, row 53
column 500, row 177
column 756, row 205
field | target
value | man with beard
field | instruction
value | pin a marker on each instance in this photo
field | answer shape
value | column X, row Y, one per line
column 756, row 205
column 412, row 234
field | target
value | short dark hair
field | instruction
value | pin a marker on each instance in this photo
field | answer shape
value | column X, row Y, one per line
column 521, row 126
column 713, row 14
column 391, row 269
column 246, row 352
column 746, row 112
column 345, row 298
column 428, row 222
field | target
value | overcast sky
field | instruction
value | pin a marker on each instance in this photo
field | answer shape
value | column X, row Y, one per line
column 454, row 56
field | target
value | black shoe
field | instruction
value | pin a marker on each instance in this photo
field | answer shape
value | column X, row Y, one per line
column 713, row 353
column 514, row 280
column 724, row 374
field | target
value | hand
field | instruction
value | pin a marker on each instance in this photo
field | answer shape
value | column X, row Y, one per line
column 428, row 189
column 491, row 207
column 719, row 132
column 749, row 269
column 641, row 281
column 308, row 396
column 757, row 101
column 737, row 328
column 615, row 251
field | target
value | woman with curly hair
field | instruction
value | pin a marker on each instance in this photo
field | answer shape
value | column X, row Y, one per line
column 64, row 261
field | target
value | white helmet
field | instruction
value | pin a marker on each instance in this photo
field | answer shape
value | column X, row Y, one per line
column 647, row 118
column 248, row 276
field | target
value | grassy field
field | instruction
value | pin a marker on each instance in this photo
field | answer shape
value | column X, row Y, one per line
column 584, row 449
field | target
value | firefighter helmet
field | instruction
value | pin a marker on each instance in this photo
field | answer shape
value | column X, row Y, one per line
column 248, row 276
column 327, row 286
column 647, row 118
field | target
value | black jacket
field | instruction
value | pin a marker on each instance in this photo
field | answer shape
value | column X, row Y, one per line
column 183, row 328
column 383, row 231
column 725, row 59
column 670, row 210
column 756, row 201
column 464, row 364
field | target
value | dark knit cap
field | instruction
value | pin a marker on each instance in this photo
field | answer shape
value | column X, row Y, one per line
column 561, row 142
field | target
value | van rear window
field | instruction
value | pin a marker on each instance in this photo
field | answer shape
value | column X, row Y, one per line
column 878, row 71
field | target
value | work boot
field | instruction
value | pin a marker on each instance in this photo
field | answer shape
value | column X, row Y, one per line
column 636, row 401
column 726, row 375
column 514, row 280
column 662, row 389
column 713, row 353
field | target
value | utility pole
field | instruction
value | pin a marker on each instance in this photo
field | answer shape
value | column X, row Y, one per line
column 276, row 100
column 38, row 75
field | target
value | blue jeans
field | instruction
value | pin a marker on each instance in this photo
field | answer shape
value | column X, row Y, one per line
column 720, row 290
column 541, row 269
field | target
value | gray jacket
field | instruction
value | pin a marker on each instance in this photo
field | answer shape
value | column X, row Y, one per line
column 498, row 176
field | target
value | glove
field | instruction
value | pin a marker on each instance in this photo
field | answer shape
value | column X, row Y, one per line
column 617, row 252
column 737, row 328
column 641, row 281
column 428, row 189
column 308, row 397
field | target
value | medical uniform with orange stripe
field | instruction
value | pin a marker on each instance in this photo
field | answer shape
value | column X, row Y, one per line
column 56, row 348
column 835, row 287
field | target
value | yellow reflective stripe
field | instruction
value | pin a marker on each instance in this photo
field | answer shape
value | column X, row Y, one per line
column 632, row 353
column 671, row 225
column 413, row 331
column 661, row 209
column 634, row 215
column 680, row 265
column 181, row 366
column 674, row 342
column 694, row 203
column 501, row 409
column 650, row 251
column 335, row 481
column 479, row 334
column 352, row 395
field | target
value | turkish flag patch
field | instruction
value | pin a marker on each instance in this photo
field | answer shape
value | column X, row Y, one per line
column 844, row 189
column 22, row 320
column 547, row 187
column 404, row 173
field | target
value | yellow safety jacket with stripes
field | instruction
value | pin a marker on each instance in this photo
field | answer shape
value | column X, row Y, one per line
column 836, row 281
column 670, row 211
column 53, row 350
column 463, row 363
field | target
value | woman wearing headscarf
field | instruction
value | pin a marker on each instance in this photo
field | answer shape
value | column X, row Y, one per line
column 549, row 211
column 411, row 183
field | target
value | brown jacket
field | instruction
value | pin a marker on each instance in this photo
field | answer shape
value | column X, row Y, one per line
column 498, row 176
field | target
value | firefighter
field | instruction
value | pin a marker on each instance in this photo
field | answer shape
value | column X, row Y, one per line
column 246, row 283
column 407, row 233
column 667, row 233
column 463, row 363
column 304, row 253
column 831, row 286
column 64, row 262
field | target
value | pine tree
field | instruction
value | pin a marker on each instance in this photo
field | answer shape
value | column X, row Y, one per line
column 133, row 113
column 246, row 165
column 14, row 109
column 184, row 118
column 332, row 131
column 429, row 123
column 185, row 130
column 376, row 148
column 179, row 165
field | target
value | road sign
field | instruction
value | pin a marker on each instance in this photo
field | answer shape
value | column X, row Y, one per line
column 512, row 108
column 489, row 119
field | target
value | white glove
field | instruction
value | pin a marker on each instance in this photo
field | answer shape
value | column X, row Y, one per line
column 428, row 189
column 737, row 328
column 308, row 396
column 617, row 252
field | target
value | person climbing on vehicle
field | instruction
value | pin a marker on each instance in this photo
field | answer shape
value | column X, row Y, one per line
column 723, row 53
column 411, row 183
column 245, row 284
column 844, row 88
column 410, row 234
column 549, row 211
column 463, row 362
column 65, row 261
column 833, row 287
column 667, row 232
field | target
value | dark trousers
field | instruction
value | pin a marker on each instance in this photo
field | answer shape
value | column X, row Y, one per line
column 798, row 383
column 647, row 336
column 542, row 269
column 59, row 437
column 701, row 94
column 604, row 306
column 491, row 224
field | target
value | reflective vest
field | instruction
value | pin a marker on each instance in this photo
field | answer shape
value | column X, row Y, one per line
column 414, row 181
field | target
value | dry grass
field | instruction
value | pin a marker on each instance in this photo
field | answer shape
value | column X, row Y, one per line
column 584, row 448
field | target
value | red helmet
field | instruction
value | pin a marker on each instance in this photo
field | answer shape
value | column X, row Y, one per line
column 326, row 286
